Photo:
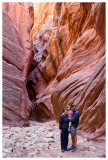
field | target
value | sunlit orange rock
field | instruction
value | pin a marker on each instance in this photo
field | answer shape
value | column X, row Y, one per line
column 41, row 12
column 70, row 59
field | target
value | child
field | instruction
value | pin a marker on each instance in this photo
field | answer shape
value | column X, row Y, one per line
column 69, row 113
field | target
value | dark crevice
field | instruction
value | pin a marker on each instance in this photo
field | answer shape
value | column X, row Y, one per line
column 31, row 91
column 40, row 113
column 60, row 44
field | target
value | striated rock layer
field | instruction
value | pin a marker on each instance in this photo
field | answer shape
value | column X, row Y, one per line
column 17, row 56
column 69, row 63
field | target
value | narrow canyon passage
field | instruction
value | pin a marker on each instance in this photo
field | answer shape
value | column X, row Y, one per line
column 52, row 60
column 69, row 63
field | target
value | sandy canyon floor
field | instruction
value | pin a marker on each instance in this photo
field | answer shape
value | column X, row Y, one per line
column 42, row 140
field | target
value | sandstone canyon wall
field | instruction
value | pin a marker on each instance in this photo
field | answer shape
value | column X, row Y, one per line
column 17, row 57
column 69, row 63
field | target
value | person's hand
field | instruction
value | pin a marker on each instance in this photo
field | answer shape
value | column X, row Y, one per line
column 60, row 131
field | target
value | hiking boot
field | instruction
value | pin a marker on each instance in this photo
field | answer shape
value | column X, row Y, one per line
column 67, row 149
column 62, row 150
column 70, row 148
column 74, row 149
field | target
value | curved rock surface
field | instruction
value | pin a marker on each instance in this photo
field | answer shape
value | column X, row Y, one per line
column 17, row 56
column 69, row 63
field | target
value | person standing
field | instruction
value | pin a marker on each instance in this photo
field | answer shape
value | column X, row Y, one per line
column 74, row 124
column 63, row 126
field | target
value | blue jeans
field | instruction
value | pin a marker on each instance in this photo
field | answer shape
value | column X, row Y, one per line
column 64, row 138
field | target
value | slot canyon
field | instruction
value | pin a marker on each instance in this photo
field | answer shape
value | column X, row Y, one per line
column 54, row 56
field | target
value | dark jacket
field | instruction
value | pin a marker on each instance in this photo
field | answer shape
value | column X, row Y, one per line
column 75, row 118
column 63, row 122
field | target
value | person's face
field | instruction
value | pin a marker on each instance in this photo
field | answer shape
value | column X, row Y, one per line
column 68, row 108
column 65, row 112
column 73, row 108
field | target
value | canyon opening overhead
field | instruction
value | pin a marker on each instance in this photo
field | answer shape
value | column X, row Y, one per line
column 54, row 56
